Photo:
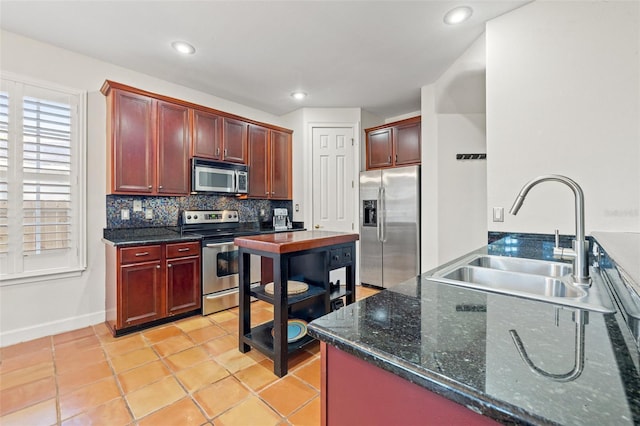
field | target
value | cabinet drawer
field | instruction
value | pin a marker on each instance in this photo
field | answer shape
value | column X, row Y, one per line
column 182, row 249
column 347, row 255
column 341, row 256
column 140, row 254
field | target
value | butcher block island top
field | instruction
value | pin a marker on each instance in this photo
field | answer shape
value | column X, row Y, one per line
column 288, row 242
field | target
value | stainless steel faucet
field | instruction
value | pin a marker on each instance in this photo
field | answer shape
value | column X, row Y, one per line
column 580, row 252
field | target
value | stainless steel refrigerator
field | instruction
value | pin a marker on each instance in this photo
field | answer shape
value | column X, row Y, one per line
column 389, row 225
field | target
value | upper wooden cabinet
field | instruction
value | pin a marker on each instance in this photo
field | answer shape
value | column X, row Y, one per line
column 394, row 144
column 173, row 149
column 280, row 155
column 219, row 138
column 148, row 145
column 234, row 137
column 269, row 163
column 207, row 134
column 151, row 139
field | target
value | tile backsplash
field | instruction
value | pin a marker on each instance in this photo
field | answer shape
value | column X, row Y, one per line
column 166, row 209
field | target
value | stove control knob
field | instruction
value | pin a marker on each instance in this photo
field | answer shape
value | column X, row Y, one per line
column 195, row 216
column 188, row 216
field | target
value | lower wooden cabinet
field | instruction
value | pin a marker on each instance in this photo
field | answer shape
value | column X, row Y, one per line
column 150, row 283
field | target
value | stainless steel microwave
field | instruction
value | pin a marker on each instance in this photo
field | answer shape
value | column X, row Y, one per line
column 215, row 176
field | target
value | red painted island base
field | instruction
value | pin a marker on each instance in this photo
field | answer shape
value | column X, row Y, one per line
column 355, row 392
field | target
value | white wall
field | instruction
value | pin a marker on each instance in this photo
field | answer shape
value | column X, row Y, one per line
column 295, row 122
column 563, row 96
column 33, row 310
column 453, row 191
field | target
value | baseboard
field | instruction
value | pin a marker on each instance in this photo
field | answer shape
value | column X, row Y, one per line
column 25, row 334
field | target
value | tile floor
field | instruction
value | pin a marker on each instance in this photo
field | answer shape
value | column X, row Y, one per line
column 189, row 372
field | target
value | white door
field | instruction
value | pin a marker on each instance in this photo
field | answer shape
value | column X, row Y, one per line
column 334, row 193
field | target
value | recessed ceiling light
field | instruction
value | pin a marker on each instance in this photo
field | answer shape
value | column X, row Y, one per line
column 458, row 15
column 183, row 47
column 298, row 95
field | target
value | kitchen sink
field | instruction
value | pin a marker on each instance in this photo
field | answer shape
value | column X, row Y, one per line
column 514, row 282
column 527, row 278
column 528, row 266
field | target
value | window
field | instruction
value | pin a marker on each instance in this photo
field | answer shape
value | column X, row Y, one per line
column 42, row 225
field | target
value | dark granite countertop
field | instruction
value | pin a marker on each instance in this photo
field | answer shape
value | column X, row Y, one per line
column 457, row 343
column 122, row 237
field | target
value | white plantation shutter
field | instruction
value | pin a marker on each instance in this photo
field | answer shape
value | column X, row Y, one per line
column 41, row 172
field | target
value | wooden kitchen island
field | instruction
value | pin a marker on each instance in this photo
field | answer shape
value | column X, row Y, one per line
column 305, row 256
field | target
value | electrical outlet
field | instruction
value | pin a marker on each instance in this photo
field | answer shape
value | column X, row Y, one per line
column 297, row 207
column 137, row 205
column 124, row 214
column 148, row 214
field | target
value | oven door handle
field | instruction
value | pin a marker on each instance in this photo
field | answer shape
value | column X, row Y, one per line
column 219, row 244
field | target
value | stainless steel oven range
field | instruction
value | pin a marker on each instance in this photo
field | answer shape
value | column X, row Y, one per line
column 219, row 277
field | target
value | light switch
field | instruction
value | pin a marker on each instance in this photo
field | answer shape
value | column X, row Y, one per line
column 137, row 205
column 498, row 214
column 148, row 214
column 124, row 214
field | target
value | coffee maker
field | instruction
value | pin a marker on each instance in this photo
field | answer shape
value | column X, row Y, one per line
column 281, row 219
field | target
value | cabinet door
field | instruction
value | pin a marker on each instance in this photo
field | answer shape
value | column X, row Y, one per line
column 140, row 294
column 379, row 148
column 407, row 144
column 258, row 162
column 183, row 284
column 207, row 135
column 280, row 165
column 173, row 149
column 133, row 143
column 234, row 136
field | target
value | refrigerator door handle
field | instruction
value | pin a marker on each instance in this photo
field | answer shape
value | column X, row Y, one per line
column 382, row 215
column 379, row 218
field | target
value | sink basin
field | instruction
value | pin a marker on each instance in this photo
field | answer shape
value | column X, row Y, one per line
column 527, row 266
column 514, row 282
column 531, row 279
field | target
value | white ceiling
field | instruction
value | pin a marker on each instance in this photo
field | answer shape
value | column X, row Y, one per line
column 370, row 54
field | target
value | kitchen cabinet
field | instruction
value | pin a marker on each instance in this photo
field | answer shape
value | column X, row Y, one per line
column 394, row 144
column 306, row 256
column 207, row 135
column 149, row 143
column 173, row 149
column 234, row 139
column 151, row 139
column 151, row 283
column 270, row 166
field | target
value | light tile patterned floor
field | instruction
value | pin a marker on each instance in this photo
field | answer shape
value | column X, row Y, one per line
column 189, row 372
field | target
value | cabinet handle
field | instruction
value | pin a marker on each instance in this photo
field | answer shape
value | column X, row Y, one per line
column 144, row 253
column 217, row 151
column 225, row 152
column 389, row 160
column 157, row 266
column 160, row 187
column 273, row 193
column 396, row 158
column 168, row 266
column 266, row 193
column 150, row 186
column 184, row 249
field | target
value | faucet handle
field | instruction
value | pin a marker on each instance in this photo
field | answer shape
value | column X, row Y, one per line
column 561, row 252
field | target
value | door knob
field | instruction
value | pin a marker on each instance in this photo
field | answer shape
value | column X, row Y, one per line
column 317, row 226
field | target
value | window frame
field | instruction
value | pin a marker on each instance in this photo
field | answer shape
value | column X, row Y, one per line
column 77, row 263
